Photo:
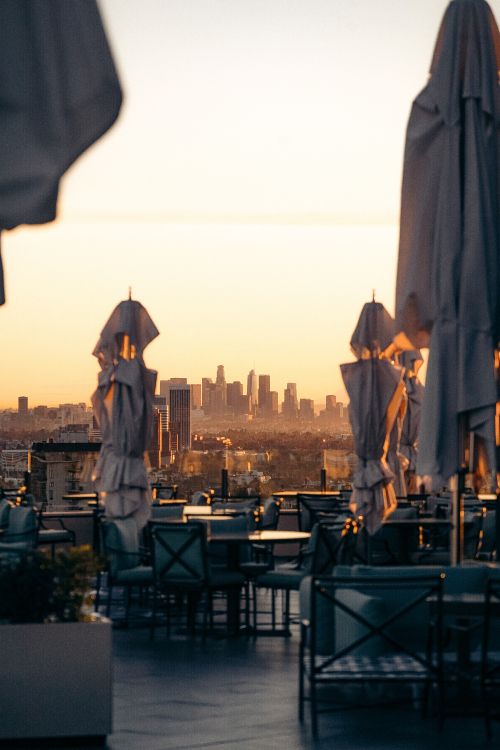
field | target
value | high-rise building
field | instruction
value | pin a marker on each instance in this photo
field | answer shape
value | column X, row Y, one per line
column 234, row 391
column 221, row 390
column 306, row 409
column 156, row 441
column 290, row 407
column 252, row 388
column 180, row 415
column 264, row 391
column 195, row 395
column 207, row 386
column 330, row 403
column 273, row 403
column 22, row 406
column 166, row 384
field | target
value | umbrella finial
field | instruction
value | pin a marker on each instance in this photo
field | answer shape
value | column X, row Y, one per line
column 373, row 295
column 130, row 292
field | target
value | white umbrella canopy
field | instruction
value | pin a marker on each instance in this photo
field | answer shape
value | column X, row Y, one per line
column 59, row 93
column 123, row 408
column 448, row 270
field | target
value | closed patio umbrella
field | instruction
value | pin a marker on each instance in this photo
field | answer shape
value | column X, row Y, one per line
column 374, row 331
column 411, row 361
column 448, row 271
column 375, row 393
column 123, row 405
column 59, row 93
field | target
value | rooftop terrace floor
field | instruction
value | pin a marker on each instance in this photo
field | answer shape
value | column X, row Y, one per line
column 242, row 693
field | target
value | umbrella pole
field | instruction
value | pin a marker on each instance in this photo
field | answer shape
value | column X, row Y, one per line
column 457, row 485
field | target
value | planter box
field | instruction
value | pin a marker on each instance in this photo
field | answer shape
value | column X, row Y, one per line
column 55, row 680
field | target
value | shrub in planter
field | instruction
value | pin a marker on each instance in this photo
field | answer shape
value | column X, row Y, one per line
column 55, row 653
column 36, row 588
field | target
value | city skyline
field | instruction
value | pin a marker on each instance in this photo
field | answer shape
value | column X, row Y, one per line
column 29, row 403
column 249, row 194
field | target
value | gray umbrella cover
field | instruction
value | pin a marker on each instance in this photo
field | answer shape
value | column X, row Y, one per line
column 408, row 445
column 59, row 93
column 448, row 275
column 123, row 405
column 375, row 392
column 374, row 330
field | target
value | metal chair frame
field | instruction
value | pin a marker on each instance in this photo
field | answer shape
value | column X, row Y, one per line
column 337, row 669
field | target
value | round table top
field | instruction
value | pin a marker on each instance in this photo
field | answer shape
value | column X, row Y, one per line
column 309, row 493
column 268, row 537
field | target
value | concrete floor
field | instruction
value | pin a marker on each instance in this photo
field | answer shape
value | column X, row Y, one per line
column 224, row 693
column 242, row 693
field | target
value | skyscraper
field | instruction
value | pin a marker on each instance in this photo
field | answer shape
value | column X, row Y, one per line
column 207, row 385
column 290, row 403
column 180, row 415
column 252, row 389
column 221, row 390
column 22, row 406
column 264, row 391
column 306, row 410
column 195, row 395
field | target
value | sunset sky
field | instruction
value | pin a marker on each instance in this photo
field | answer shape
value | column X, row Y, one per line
column 249, row 195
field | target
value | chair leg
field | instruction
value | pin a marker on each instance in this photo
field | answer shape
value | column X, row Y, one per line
column 128, row 598
column 273, row 609
column 254, row 598
column 108, row 603
column 287, row 611
column 301, row 680
column 153, row 617
column 314, row 707
column 97, row 591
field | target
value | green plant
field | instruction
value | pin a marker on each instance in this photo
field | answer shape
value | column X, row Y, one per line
column 36, row 588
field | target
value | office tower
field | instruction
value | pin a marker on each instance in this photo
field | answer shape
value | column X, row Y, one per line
column 330, row 403
column 221, row 390
column 166, row 384
column 22, row 406
column 180, row 415
column 264, row 391
column 207, row 384
column 156, row 441
column 290, row 407
column 234, row 392
column 221, row 377
column 195, row 395
column 252, row 389
column 273, row 403
column 306, row 410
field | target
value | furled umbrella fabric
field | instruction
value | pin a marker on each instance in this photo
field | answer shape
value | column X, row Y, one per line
column 375, row 391
column 448, row 270
column 410, row 362
column 123, row 405
column 374, row 331
column 395, row 458
column 59, row 92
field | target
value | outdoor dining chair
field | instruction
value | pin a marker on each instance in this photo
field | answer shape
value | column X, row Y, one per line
column 313, row 508
column 366, row 630
column 181, row 567
column 21, row 530
column 50, row 537
column 329, row 545
column 490, row 661
column 124, row 561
